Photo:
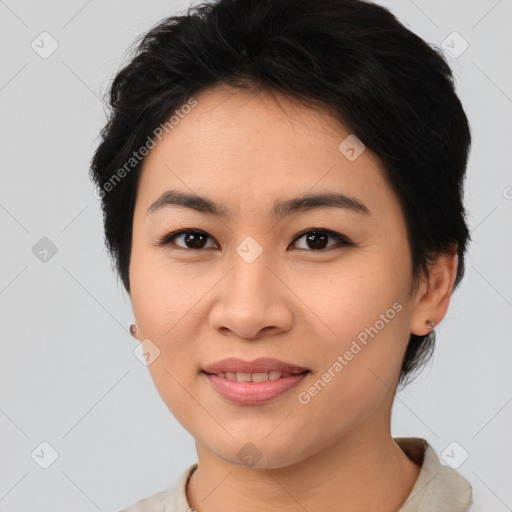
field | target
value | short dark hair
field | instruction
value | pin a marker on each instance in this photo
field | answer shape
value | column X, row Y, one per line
column 351, row 58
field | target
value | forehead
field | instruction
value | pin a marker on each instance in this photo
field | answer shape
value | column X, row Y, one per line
column 239, row 144
column 243, row 120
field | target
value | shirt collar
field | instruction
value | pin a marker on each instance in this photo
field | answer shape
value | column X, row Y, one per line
column 438, row 487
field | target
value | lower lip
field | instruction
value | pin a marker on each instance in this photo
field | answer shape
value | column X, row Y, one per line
column 253, row 393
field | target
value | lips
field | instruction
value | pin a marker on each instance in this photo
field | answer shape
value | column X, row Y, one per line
column 259, row 366
column 256, row 392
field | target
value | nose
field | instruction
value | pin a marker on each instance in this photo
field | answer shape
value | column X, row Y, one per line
column 253, row 300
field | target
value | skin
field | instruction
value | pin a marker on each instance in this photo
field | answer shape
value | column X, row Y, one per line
column 294, row 302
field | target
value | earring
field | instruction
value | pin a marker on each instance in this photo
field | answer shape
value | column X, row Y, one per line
column 430, row 323
column 133, row 329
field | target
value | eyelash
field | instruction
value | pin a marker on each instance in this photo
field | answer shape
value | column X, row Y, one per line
column 343, row 241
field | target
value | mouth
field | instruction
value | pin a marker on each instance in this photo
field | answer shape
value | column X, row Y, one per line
column 256, row 376
column 254, row 388
column 261, row 369
column 253, row 382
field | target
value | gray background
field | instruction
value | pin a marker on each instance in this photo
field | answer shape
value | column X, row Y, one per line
column 68, row 374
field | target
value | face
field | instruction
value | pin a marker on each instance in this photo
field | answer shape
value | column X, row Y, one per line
column 323, row 287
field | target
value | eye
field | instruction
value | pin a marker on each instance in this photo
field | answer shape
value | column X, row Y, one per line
column 196, row 239
column 318, row 238
column 192, row 238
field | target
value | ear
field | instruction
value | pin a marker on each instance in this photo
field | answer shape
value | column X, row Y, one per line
column 434, row 292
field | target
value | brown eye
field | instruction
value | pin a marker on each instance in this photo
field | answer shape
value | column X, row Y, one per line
column 318, row 239
column 191, row 239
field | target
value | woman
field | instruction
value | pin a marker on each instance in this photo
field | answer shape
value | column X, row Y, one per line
column 282, row 184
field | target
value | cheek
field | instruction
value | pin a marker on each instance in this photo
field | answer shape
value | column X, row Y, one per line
column 363, row 311
column 164, row 294
column 164, row 303
column 353, row 297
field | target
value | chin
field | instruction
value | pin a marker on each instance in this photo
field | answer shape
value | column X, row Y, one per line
column 258, row 453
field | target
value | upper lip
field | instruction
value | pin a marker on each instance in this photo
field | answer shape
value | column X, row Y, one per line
column 260, row 365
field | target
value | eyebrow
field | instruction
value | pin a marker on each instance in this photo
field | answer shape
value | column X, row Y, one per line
column 281, row 208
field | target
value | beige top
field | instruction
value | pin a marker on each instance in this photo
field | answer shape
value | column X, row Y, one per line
column 437, row 488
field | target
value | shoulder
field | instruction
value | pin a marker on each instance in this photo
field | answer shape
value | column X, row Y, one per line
column 171, row 500
column 154, row 503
